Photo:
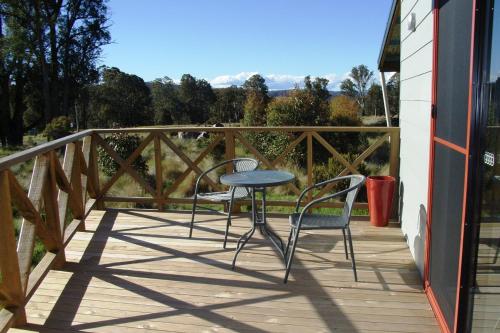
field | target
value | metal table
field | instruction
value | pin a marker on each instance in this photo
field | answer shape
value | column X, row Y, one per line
column 258, row 181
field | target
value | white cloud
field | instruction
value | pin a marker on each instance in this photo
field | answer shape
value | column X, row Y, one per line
column 274, row 81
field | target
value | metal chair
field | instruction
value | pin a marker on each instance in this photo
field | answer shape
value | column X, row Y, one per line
column 227, row 197
column 303, row 220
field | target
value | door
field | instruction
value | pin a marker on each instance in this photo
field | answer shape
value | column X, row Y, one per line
column 449, row 157
column 485, row 285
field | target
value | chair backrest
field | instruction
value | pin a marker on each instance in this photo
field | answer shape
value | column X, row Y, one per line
column 356, row 181
column 243, row 164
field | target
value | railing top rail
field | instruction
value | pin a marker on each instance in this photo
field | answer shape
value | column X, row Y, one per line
column 368, row 129
column 25, row 155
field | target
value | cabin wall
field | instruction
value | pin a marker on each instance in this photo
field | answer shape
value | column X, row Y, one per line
column 415, row 117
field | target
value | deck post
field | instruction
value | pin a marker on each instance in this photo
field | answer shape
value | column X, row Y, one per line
column 386, row 99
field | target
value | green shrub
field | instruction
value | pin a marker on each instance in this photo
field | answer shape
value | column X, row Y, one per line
column 124, row 145
column 57, row 128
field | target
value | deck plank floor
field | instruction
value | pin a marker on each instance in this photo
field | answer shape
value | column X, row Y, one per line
column 136, row 271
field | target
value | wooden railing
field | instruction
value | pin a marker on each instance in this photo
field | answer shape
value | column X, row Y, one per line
column 74, row 186
column 233, row 136
column 55, row 190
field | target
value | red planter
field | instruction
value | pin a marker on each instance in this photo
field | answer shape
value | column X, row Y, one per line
column 380, row 190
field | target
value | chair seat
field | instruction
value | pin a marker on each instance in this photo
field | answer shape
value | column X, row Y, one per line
column 222, row 196
column 317, row 221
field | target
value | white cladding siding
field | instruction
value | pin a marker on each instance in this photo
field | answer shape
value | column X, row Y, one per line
column 415, row 109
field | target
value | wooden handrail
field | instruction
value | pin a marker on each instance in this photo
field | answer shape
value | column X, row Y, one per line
column 168, row 129
column 74, row 185
column 28, row 154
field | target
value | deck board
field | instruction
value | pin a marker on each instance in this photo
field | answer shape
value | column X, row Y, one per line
column 136, row 271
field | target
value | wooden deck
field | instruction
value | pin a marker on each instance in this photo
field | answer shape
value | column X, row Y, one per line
column 136, row 271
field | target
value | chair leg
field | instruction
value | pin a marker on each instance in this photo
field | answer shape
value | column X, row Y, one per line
column 345, row 245
column 192, row 216
column 226, row 208
column 290, row 257
column 228, row 223
column 288, row 242
column 352, row 255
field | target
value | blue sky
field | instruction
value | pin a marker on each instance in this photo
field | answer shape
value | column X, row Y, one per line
column 226, row 41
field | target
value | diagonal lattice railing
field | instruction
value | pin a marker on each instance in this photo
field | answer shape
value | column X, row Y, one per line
column 65, row 186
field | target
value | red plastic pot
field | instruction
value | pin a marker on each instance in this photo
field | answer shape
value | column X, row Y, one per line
column 380, row 190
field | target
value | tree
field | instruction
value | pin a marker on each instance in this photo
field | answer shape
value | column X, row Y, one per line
column 356, row 86
column 256, row 83
column 121, row 100
column 197, row 97
column 374, row 101
column 166, row 104
column 48, row 52
column 257, row 98
column 318, row 87
column 229, row 105
column 393, row 94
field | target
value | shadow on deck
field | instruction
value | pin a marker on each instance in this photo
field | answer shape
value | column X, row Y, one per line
column 136, row 271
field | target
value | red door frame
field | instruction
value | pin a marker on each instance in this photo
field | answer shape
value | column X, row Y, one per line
column 462, row 150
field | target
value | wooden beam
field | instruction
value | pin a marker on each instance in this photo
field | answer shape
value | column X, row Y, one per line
column 288, row 149
column 363, row 156
column 158, row 171
column 6, row 320
column 52, row 218
column 125, row 165
column 68, row 191
column 29, row 212
column 27, row 234
column 94, row 172
column 335, row 153
column 84, row 158
column 197, row 161
column 189, row 201
column 9, row 264
column 262, row 158
column 230, row 149
column 309, row 163
column 39, row 272
column 31, row 153
column 385, row 98
column 187, row 160
column 274, row 129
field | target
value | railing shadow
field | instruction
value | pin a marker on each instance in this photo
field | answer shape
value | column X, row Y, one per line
column 255, row 279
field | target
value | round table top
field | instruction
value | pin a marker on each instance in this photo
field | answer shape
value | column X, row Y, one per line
column 257, row 178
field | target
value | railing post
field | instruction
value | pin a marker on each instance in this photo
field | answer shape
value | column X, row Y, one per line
column 158, row 172
column 12, row 286
column 309, row 164
column 26, row 241
column 53, row 219
column 94, row 171
column 230, row 154
column 86, row 147
column 394, row 168
column 230, row 149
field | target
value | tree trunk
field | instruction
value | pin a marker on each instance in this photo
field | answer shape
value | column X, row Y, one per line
column 4, row 96
column 43, row 63
column 54, row 69
column 16, row 130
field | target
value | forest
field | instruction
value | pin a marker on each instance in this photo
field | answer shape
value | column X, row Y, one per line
column 51, row 82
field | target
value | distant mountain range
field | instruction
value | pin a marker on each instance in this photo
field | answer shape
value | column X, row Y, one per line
column 278, row 93
column 272, row 93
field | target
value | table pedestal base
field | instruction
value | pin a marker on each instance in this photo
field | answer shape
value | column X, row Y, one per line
column 259, row 222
